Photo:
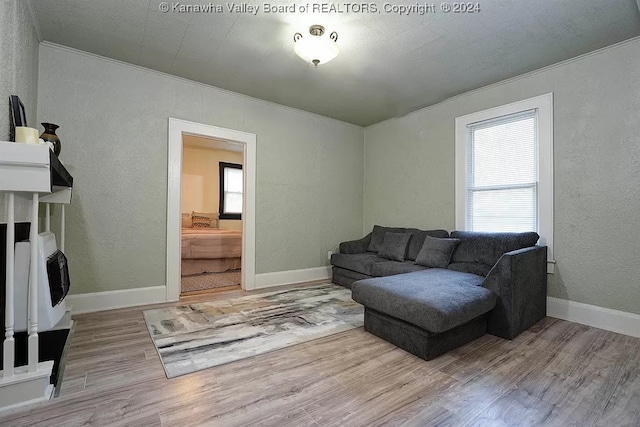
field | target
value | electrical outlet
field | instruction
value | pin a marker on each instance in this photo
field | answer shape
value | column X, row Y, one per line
column 329, row 254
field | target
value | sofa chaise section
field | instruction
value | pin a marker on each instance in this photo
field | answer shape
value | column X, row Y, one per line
column 426, row 313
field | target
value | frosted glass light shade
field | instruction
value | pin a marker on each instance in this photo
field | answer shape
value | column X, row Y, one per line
column 316, row 48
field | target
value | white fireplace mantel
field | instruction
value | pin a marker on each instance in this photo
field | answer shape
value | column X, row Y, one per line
column 29, row 175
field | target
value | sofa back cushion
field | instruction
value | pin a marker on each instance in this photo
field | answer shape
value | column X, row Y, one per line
column 377, row 236
column 471, row 267
column 478, row 252
column 415, row 243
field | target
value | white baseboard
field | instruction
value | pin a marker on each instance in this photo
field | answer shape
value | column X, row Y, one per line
column 108, row 300
column 279, row 278
column 592, row 315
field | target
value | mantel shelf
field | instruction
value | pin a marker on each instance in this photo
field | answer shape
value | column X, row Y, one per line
column 34, row 169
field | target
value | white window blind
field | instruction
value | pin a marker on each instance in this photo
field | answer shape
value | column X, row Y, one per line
column 232, row 190
column 502, row 173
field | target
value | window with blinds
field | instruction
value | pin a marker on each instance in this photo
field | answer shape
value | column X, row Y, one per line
column 504, row 170
column 232, row 190
column 231, row 185
column 502, row 173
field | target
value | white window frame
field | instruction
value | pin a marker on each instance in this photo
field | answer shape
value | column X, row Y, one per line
column 544, row 106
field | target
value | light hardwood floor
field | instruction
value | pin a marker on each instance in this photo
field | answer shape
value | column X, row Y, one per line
column 558, row 374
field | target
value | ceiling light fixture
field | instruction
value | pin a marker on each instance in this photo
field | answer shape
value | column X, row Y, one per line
column 316, row 49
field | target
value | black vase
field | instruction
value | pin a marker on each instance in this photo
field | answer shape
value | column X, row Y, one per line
column 49, row 135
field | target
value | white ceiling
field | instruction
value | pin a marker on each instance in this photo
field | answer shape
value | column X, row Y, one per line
column 388, row 66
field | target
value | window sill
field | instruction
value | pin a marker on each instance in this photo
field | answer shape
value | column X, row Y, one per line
column 230, row 216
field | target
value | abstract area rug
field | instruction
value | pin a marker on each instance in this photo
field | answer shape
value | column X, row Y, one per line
column 198, row 336
column 200, row 282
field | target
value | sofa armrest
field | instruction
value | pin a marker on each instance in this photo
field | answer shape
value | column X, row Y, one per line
column 356, row 246
column 519, row 279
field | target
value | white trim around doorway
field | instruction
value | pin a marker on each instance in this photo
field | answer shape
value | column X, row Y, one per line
column 178, row 128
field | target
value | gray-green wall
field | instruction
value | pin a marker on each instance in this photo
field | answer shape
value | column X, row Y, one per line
column 19, row 64
column 409, row 170
column 18, row 74
column 113, row 127
column 310, row 168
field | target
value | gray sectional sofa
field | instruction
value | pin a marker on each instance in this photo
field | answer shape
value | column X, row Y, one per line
column 428, row 292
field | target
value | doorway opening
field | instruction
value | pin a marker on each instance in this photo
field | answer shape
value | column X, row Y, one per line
column 210, row 209
column 211, row 219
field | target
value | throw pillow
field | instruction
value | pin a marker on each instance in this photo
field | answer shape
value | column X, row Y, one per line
column 200, row 221
column 205, row 219
column 436, row 252
column 394, row 246
column 186, row 220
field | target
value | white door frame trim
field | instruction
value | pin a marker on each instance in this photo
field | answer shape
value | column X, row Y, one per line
column 178, row 128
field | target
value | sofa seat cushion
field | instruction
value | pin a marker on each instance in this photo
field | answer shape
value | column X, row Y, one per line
column 360, row 263
column 390, row 268
column 435, row 299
